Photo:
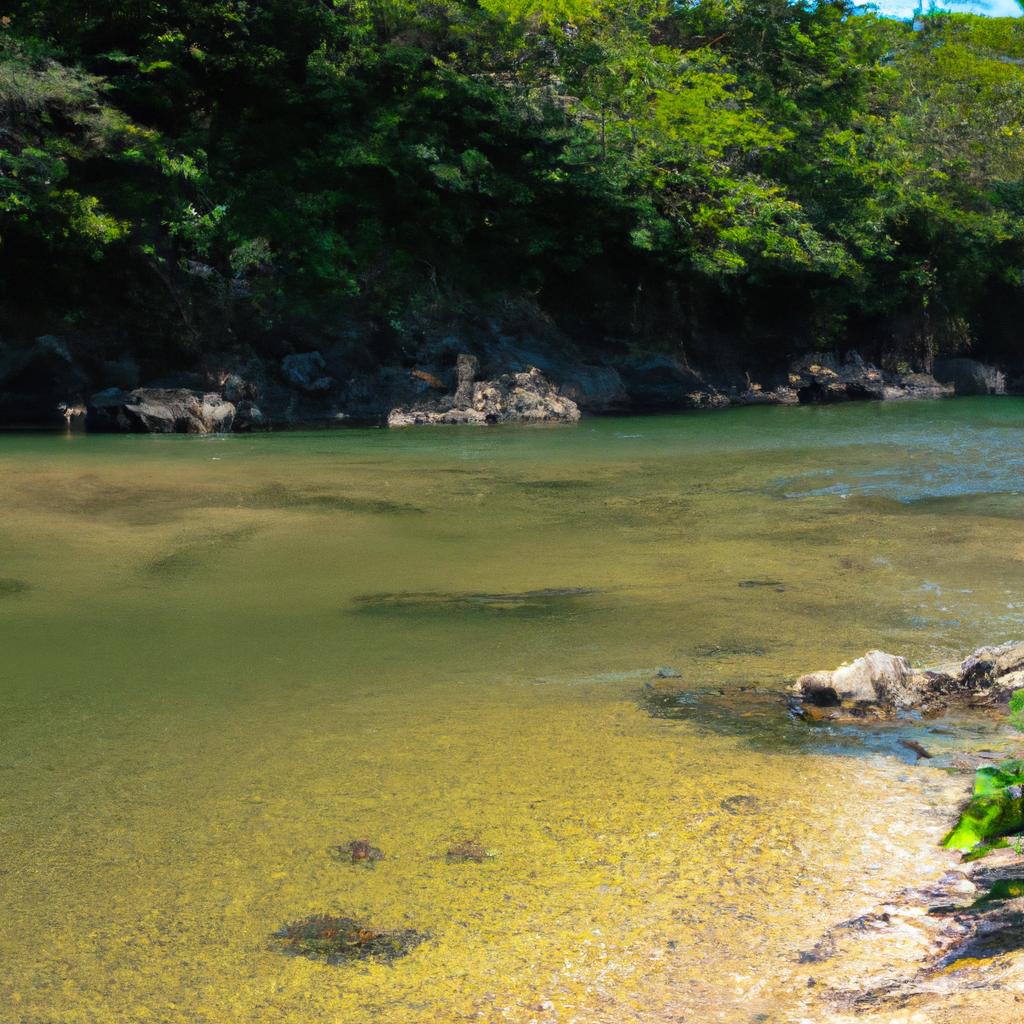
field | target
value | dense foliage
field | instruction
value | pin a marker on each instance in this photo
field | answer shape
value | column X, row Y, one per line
column 707, row 173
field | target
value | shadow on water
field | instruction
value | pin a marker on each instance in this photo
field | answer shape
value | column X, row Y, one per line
column 193, row 555
column 277, row 496
column 996, row 917
column 767, row 720
column 547, row 602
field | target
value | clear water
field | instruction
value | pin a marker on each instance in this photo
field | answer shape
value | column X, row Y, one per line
column 220, row 656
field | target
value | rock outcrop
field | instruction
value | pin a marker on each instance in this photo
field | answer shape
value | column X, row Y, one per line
column 527, row 397
column 969, row 377
column 819, row 378
column 163, row 411
column 881, row 683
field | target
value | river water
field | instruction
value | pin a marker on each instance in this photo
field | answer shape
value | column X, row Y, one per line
column 223, row 655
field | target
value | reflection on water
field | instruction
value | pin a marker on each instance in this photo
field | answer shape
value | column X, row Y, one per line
column 225, row 657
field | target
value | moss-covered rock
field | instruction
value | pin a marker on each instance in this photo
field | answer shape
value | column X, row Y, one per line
column 336, row 940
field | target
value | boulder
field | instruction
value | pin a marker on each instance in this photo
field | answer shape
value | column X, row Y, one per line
column 163, row 411
column 818, row 378
column 888, row 683
column 994, row 672
column 876, row 678
column 527, row 397
column 757, row 394
column 969, row 377
column 915, row 385
column 237, row 389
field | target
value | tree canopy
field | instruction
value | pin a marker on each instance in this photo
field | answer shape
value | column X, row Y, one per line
column 780, row 173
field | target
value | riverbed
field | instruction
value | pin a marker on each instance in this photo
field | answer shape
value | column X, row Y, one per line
column 224, row 655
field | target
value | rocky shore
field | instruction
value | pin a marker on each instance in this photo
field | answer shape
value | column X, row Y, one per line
column 507, row 379
column 880, row 684
column 961, row 936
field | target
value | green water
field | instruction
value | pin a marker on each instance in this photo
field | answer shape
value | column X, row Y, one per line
column 220, row 656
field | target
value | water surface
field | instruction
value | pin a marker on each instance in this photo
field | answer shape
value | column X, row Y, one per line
column 222, row 656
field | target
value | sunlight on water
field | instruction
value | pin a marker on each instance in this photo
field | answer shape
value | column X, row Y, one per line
column 222, row 656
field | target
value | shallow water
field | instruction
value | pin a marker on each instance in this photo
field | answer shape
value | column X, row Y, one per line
column 221, row 656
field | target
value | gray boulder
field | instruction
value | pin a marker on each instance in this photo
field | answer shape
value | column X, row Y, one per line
column 527, row 397
column 163, row 411
column 969, row 377
column 886, row 682
column 818, row 378
column 876, row 678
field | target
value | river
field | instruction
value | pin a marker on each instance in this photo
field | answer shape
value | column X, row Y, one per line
column 223, row 655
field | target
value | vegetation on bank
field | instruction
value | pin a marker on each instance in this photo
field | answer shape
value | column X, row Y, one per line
column 755, row 175
column 994, row 817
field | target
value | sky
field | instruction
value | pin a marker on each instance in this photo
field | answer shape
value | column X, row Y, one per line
column 904, row 8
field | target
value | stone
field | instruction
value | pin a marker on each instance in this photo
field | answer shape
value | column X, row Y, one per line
column 237, row 389
column 989, row 676
column 526, row 397
column 335, row 939
column 819, row 378
column 466, row 369
column 163, row 411
column 876, row 678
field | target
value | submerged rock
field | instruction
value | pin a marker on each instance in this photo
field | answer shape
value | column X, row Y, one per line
column 468, row 851
column 881, row 682
column 336, row 940
column 527, row 397
column 357, row 851
column 961, row 934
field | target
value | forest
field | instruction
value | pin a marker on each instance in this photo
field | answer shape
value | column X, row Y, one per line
column 740, row 180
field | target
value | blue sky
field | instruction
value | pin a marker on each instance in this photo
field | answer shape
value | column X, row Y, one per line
column 904, row 8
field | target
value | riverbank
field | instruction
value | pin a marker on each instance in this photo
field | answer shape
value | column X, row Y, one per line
column 495, row 380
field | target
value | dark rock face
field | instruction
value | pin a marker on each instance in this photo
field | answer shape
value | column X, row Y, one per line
column 38, row 382
column 596, row 389
column 969, row 377
column 661, row 382
column 305, row 370
column 526, row 397
column 163, row 411
column 881, row 683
